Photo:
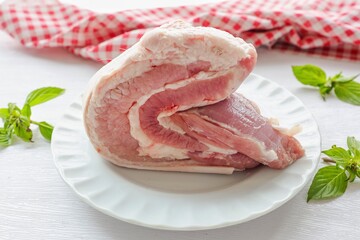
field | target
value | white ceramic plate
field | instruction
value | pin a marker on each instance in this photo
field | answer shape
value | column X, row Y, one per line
column 188, row 201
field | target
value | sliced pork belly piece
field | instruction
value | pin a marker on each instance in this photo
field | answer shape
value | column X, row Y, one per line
column 141, row 108
column 236, row 123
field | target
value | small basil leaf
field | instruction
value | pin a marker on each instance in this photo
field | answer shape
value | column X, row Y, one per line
column 4, row 113
column 42, row 95
column 22, row 128
column 340, row 155
column 309, row 75
column 353, row 145
column 348, row 92
column 341, row 78
column 6, row 136
column 26, row 110
column 352, row 175
column 46, row 130
column 328, row 182
column 337, row 76
column 9, row 122
column 23, row 132
column 13, row 109
column 4, row 141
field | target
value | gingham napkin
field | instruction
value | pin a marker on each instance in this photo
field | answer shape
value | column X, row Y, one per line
column 324, row 27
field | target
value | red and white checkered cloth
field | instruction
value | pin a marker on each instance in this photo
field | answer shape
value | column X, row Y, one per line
column 326, row 27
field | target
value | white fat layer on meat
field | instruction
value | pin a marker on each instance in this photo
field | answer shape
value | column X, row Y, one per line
column 158, row 150
column 166, row 122
column 268, row 155
column 212, row 149
column 289, row 131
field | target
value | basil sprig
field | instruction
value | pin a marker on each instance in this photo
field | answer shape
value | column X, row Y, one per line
column 17, row 121
column 331, row 181
column 345, row 88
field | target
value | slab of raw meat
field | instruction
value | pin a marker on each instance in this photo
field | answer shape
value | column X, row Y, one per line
column 166, row 104
column 236, row 124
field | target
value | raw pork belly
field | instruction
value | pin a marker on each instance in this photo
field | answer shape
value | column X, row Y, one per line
column 167, row 103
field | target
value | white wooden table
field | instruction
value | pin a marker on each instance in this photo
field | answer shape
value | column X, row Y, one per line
column 36, row 204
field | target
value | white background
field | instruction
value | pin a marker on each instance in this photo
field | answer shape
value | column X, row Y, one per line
column 36, row 204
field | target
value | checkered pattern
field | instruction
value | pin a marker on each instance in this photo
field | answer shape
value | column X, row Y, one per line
column 325, row 27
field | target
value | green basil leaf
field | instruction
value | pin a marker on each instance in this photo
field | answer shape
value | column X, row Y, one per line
column 23, row 132
column 22, row 128
column 328, row 182
column 4, row 113
column 337, row 76
column 46, row 130
column 6, row 136
column 348, row 92
column 9, row 122
column 42, row 95
column 309, row 75
column 341, row 78
column 4, row 140
column 26, row 110
column 353, row 145
column 352, row 175
column 13, row 109
column 340, row 155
